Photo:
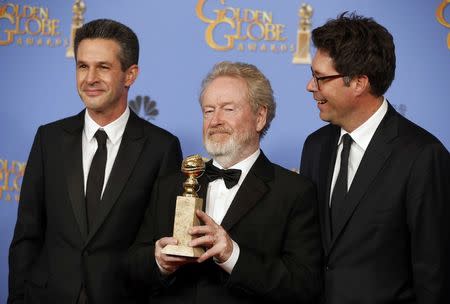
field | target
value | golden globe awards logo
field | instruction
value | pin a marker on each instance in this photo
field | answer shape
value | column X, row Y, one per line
column 11, row 174
column 440, row 16
column 243, row 29
column 29, row 25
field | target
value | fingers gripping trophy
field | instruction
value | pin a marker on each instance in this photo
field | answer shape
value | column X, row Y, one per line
column 193, row 167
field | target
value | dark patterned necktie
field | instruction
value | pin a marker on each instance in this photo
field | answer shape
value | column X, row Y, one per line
column 229, row 176
column 340, row 188
column 96, row 177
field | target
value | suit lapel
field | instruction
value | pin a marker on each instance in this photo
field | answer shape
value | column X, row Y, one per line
column 127, row 156
column 203, row 182
column 327, row 160
column 73, row 167
column 371, row 164
column 251, row 191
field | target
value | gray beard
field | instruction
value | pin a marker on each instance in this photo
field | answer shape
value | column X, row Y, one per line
column 230, row 152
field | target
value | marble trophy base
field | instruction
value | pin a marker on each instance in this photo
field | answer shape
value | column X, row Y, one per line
column 185, row 218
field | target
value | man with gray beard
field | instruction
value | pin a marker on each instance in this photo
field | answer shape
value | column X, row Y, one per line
column 259, row 227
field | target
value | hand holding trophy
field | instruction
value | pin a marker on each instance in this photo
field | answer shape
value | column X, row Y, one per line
column 193, row 167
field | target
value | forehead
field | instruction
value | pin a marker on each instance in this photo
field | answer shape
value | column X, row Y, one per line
column 98, row 50
column 322, row 63
column 225, row 89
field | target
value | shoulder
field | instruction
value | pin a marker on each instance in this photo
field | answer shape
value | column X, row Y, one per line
column 153, row 131
column 69, row 124
column 290, row 180
column 414, row 139
column 322, row 134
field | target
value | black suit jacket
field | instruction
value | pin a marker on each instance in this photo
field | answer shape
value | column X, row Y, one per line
column 392, row 241
column 52, row 255
column 272, row 218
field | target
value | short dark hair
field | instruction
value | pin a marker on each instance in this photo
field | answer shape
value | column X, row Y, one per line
column 113, row 30
column 359, row 46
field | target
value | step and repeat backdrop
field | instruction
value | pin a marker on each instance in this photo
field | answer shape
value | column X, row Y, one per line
column 180, row 42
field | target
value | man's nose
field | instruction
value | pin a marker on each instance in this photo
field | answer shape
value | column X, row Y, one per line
column 311, row 85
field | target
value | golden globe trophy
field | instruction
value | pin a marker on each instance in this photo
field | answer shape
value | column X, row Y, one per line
column 78, row 10
column 193, row 166
column 302, row 54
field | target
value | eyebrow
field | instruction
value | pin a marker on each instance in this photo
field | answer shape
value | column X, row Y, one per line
column 95, row 63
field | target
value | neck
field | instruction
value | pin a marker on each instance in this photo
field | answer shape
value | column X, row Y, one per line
column 367, row 107
column 103, row 118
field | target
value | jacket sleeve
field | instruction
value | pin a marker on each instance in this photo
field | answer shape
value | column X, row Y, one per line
column 28, row 238
column 428, row 213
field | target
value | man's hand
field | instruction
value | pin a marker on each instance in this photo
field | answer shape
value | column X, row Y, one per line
column 168, row 264
column 213, row 237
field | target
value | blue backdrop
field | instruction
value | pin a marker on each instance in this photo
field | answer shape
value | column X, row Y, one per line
column 37, row 81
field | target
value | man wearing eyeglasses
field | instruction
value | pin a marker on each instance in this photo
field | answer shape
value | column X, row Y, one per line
column 383, row 182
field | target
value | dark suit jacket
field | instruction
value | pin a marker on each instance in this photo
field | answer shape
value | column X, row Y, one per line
column 392, row 241
column 52, row 255
column 272, row 218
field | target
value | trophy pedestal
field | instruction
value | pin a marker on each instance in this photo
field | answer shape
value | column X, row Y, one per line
column 302, row 55
column 186, row 251
column 185, row 218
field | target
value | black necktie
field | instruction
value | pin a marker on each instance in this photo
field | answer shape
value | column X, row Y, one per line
column 229, row 176
column 340, row 188
column 96, row 177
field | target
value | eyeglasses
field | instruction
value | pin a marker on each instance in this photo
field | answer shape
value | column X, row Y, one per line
column 316, row 79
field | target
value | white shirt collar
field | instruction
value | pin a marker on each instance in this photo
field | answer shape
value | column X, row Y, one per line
column 244, row 165
column 364, row 133
column 114, row 130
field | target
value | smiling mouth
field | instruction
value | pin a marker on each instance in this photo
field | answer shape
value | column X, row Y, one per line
column 93, row 92
column 321, row 101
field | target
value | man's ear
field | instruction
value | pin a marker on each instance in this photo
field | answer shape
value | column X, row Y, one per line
column 261, row 118
column 360, row 84
column 131, row 75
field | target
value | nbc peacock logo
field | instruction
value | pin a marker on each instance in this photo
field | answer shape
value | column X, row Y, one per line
column 144, row 107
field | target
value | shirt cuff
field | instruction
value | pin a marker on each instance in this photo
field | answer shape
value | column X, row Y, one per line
column 162, row 270
column 229, row 264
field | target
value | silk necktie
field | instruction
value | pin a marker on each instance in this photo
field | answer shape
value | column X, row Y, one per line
column 96, row 177
column 340, row 188
column 229, row 176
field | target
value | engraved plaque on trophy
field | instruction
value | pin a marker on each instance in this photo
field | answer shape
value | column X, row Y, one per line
column 185, row 217
column 302, row 54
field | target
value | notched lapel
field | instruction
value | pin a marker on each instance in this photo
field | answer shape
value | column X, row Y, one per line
column 371, row 164
column 252, row 190
column 73, row 167
column 327, row 160
column 129, row 151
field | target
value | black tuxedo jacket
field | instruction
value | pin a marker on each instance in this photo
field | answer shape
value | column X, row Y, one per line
column 392, row 241
column 52, row 255
column 272, row 218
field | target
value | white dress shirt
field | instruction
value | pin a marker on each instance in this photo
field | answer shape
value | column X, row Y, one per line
column 361, row 139
column 114, row 130
column 219, row 198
